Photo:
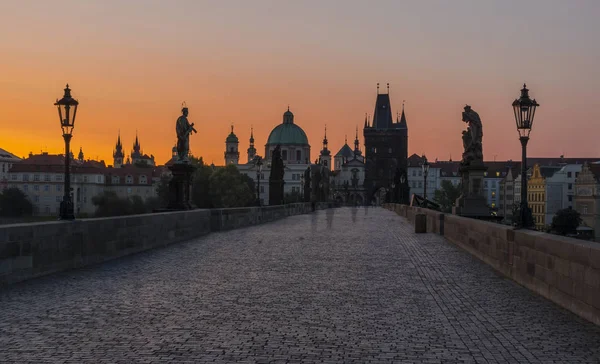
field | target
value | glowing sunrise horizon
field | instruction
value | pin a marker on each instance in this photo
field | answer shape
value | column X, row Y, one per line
column 131, row 65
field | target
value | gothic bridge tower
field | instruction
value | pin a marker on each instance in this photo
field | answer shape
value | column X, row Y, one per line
column 386, row 147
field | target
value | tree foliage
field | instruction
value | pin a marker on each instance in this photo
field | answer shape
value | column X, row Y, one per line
column 446, row 196
column 200, row 187
column 566, row 221
column 227, row 188
column 14, row 203
column 109, row 203
column 292, row 197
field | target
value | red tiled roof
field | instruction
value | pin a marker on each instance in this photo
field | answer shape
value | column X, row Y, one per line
column 55, row 163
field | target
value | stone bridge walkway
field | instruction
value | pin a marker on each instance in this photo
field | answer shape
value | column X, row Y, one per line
column 337, row 286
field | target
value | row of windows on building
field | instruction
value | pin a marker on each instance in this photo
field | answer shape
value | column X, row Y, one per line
column 284, row 155
column 143, row 179
column 535, row 197
column 48, row 178
column 45, row 188
column 537, row 209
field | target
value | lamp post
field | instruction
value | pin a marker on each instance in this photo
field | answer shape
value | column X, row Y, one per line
column 425, row 167
column 258, row 163
column 524, row 108
column 393, row 192
column 67, row 110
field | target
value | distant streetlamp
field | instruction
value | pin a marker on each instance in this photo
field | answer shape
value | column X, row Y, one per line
column 425, row 167
column 258, row 163
column 67, row 110
column 393, row 192
column 524, row 108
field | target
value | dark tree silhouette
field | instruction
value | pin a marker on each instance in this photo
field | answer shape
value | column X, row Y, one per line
column 566, row 221
column 14, row 203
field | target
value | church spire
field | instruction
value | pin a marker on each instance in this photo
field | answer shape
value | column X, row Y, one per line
column 356, row 143
column 251, row 149
column 325, row 142
column 402, row 123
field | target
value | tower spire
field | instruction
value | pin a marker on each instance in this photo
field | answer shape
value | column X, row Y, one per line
column 388, row 87
column 366, row 125
column 377, row 88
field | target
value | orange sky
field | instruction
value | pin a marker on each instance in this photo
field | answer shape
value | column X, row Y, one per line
column 131, row 64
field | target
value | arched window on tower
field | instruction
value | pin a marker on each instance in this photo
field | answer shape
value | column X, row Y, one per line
column 298, row 155
column 325, row 162
column 284, row 154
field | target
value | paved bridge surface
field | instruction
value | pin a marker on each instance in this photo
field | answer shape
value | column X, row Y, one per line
column 336, row 286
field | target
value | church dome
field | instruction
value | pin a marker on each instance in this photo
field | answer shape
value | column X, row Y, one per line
column 287, row 132
column 232, row 138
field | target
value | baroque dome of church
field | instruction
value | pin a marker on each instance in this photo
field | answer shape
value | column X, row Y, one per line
column 232, row 138
column 287, row 133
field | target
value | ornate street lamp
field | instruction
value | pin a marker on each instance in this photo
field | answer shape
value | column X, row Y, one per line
column 258, row 163
column 402, row 181
column 393, row 192
column 524, row 108
column 425, row 167
column 67, row 110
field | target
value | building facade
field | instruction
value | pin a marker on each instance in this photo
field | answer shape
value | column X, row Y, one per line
column 587, row 197
column 349, row 175
column 7, row 160
column 41, row 178
column 295, row 152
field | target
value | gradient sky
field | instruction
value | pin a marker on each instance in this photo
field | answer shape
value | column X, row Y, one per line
column 131, row 64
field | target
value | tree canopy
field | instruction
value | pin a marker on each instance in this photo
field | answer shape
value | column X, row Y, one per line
column 566, row 221
column 446, row 196
column 14, row 203
column 228, row 188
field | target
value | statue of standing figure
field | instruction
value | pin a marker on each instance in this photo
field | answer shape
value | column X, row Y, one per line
column 472, row 137
column 183, row 129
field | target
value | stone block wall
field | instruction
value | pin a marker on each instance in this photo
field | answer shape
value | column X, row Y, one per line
column 35, row 249
column 564, row 270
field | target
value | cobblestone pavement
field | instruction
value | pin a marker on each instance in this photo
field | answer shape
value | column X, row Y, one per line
column 337, row 286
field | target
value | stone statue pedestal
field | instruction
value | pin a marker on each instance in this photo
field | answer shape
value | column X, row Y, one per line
column 472, row 202
column 180, row 186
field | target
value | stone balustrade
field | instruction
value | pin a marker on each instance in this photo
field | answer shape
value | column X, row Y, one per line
column 34, row 249
column 564, row 270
